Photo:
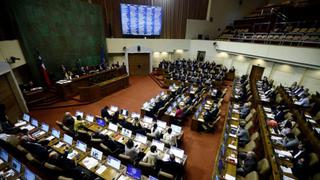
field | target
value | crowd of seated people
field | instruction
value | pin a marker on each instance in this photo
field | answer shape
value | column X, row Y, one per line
column 193, row 71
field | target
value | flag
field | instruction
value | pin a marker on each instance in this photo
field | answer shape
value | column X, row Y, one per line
column 44, row 71
column 102, row 56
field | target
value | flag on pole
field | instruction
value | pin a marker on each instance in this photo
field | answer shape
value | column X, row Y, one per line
column 44, row 71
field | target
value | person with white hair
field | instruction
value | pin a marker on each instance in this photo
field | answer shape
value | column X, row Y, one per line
column 245, row 110
column 247, row 163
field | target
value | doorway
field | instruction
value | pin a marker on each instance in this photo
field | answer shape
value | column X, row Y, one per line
column 139, row 64
column 256, row 73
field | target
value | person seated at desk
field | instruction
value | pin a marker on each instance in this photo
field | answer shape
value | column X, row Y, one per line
column 298, row 153
column 300, row 168
column 279, row 114
column 170, row 138
column 179, row 112
column 14, row 139
column 243, row 135
column 69, row 166
column 155, row 131
column 133, row 151
column 78, row 124
column 112, row 145
column 38, row 149
column 136, row 127
column 68, row 120
column 172, row 167
column 247, row 163
column 152, row 156
column 304, row 101
column 290, row 141
column 105, row 113
column 287, row 128
column 245, row 110
column 5, row 125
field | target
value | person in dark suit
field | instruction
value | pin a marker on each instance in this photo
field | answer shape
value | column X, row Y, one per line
column 243, row 135
column 112, row 145
column 247, row 163
column 105, row 113
column 68, row 120
column 5, row 125
column 69, row 166
column 39, row 150
column 172, row 167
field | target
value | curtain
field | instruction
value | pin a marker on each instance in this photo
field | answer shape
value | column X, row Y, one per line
column 175, row 15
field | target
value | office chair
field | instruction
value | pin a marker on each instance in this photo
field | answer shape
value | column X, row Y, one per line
column 314, row 160
column 52, row 167
column 108, row 151
column 22, row 149
column 125, row 159
column 84, row 136
column 146, row 168
column 64, row 178
column 255, row 136
column 249, row 126
column 60, row 124
column 251, row 146
column 165, row 176
column 33, row 160
column 263, row 167
column 251, row 176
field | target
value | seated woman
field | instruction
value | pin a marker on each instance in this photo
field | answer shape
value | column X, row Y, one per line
column 170, row 138
column 152, row 156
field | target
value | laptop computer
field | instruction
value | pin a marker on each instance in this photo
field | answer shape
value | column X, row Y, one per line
column 113, row 108
column 28, row 175
column 55, row 133
column 34, row 122
column 113, row 162
column 95, row 153
column 113, row 127
column 89, row 118
column 26, row 117
column 67, row 139
column 135, row 115
column 176, row 129
column 177, row 152
column 161, row 124
column 158, row 144
column 134, row 172
column 141, row 138
column 4, row 155
column 16, row 165
column 81, row 146
column 126, row 132
column 79, row 113
column 101, row 122
column 147, row 119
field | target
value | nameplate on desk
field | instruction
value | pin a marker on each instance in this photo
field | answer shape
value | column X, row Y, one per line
column 276, row 138
column 267, row 109
column 101, row 169
column 287, row 178
column 59, row 145
column 234, row 118
column 232, row 147
column 20, row 123
column 232, row 160
column 233, row 135
column 234, row 126
column 90, row 162
column 283, row 153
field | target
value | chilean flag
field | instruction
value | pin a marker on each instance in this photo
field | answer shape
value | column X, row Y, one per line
column 44, row 71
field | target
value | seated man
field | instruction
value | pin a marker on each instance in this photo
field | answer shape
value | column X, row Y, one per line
column 245, row 110
column 5, row 125
column 179, row 112
column 112, row 145
column 105, row 113
column 39, row 150
column 172, row 167
column 243, row 135
column 69, row 166
column 152, row 156
column 290, row 141
column 68, row 120
column 304, row 101
column 170, row 137
column 78, row 124
column 247, row 163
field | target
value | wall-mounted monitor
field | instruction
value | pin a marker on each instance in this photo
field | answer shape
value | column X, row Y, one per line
column 141, row 20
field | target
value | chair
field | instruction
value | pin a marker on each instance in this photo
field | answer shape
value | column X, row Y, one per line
column 107, row 150
column 84, row 135
column 255, row 136
column 125, row 159
column 33, row 160
column 251, row 176
column 251, row 146
column 165, row 176
column 249, row 125
column 314, row 160
column 263, row 167
column 146, row 168
column 64, row 178
column 60, row 124
column 52, row 167
column 22, row 149
column 296, row 132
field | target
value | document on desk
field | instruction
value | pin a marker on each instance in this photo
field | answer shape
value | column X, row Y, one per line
column 20, row 123
column 72, row 154
column 50, row 138
column 104, row 132
column 287, row 178
column 237, row 106
column 267, row 109
column 28, row 127
column 234, row 126
column 234, row 118
column 232, row 147
column 90, row 162
column 59, row 145
column 276, row 138
column 286, row 169
column 269, row 115
column 233, row 135
column 235, row 111
column 283, row 153
column 101, row 169
column 229, row 177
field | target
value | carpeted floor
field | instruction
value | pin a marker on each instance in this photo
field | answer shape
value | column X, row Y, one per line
column 201, row 148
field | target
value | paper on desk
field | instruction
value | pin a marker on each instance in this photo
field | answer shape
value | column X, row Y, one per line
column 59, row 145
column 234, row 126
column 101, row 169
column 50, row 138
column 269, row 115
column 286, row 170
column 234, row 118
column 90, row 162
column 232, row 146
column 72, row 155
column 28, row 127
column 235, row 111
column 283, row 153
column 104, row 132
column 236, row 106
column 20, row 123
column 232, row 135
column 276, row 138
column 287, row 178
column 267, row 109
column 229, row 177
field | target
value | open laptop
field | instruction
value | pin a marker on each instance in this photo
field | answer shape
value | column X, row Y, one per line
column 44, row 129
column 101, row 122
column 161, row 124
column 126, row 132
column 4, row 155
column 114, row 108
column 26, row 117
column 113, row 162
column 95, row 153
column 112, row 127
column 176, row 129
column 16, row 165
column 67, row 139
column 81, row 146
column 55, row 133
column 79, row 113
column 34, row 122
column 152, row 178
column 147, row 119
column 141, row 138
column 124, row 112
column 158, row 144
column 28, row 175
column 135, row 115
column 177, row 152
column 90, row 118
column 133, row 172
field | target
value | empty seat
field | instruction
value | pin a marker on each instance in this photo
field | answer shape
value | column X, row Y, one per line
column 251, row 146
column 263, row 166
column 251, row 176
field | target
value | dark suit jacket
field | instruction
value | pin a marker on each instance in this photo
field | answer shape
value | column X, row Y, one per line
column 36, row 149
column 173, row 168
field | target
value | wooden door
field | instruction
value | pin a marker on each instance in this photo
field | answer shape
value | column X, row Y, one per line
column 139, row 64
column 256, row 72
column 8, row 98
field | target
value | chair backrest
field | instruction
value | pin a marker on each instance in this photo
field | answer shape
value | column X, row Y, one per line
column 165, row 176
column 314, row 159
column 125, row 159
column 250, row 146
column 296, row 132
column 263, row 166
column 146, row 168
column 252, row 176
column 254, row 136
column 249, row 125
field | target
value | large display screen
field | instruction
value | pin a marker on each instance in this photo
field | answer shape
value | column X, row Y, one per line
column 141, row 20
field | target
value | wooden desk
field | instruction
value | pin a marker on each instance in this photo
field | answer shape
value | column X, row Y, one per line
column 71, row 89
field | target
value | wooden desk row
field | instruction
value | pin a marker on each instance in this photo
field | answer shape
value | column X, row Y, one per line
column 71, row 89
